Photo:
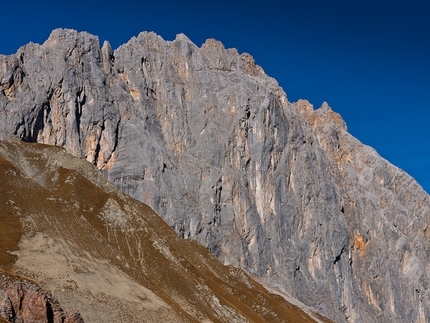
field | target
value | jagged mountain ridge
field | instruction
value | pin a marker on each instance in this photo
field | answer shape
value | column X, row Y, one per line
column 109, row 255
column 212, row 144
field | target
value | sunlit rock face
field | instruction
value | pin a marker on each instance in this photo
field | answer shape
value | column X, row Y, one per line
column 212, row 144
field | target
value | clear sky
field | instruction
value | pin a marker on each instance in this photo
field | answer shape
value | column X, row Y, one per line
column 369, row 60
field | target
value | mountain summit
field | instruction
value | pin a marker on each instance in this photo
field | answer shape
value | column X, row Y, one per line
column 211, row 143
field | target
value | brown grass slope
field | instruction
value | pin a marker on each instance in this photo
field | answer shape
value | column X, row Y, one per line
column 109, row 256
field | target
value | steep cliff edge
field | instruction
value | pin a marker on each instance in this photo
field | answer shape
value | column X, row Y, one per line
column 212, row 144
column 387, row 213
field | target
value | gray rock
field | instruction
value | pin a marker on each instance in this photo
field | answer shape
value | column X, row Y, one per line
column 212, row 144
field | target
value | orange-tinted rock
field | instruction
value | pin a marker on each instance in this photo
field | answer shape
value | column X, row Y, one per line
column 24, row 301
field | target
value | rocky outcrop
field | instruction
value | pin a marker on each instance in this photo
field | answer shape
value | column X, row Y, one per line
column 212, row 144
column 23, row 301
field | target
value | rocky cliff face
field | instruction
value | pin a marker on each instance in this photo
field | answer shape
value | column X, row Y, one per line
column 23, row 301
column 212, row 144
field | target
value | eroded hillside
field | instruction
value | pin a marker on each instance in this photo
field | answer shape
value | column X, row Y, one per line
column 67, row 228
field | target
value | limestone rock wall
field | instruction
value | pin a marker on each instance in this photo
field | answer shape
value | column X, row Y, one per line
column 212, row 144
column 387, row 213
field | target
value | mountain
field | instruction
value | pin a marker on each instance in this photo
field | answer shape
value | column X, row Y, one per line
column 109, row 255
column 213, row 145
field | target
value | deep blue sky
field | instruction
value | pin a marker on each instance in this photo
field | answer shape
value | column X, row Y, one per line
column 370, row 60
